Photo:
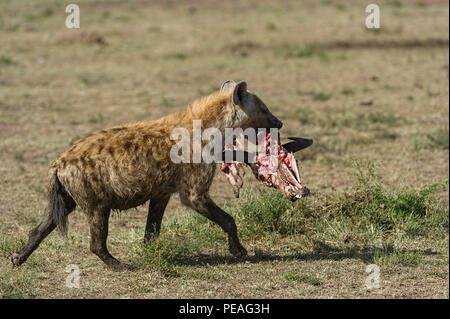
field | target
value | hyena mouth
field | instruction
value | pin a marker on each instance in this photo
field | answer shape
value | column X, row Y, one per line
column 274, row 166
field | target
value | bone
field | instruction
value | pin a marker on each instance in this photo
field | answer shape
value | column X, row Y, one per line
column 230, row 156
column 277, row 169
column 233, row 173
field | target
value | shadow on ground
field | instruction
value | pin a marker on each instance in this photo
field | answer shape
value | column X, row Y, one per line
column 323, row 251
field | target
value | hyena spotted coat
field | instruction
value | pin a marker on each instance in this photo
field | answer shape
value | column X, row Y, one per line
column 125, row 166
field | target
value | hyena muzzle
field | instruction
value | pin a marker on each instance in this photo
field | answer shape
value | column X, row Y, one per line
column 126, row 166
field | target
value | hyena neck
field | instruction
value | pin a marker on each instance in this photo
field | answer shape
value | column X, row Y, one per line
column 214, row 110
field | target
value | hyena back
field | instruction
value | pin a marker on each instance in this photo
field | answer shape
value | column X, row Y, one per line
column 125, row 166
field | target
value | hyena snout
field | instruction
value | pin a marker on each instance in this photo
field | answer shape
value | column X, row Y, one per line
column 273, row 122
column 277, row 124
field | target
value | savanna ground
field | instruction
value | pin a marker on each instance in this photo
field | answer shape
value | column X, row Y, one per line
column 375, row 102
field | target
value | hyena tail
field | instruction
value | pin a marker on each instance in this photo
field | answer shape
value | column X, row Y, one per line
column 58, row 204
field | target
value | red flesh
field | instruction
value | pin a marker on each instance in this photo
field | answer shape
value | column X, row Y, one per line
column 282, row 174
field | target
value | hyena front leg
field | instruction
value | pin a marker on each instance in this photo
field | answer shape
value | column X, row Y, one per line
column 156, row 210
column 98, row 223
column 204, row 205
column 37, row 234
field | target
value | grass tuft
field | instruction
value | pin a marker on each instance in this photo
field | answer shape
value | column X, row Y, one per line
column 17, row 287
column 263, row 213
column 301, row 52
column 7, row 61
column 365, row 211
column 308, row 279
column 393, row 257
column 9, row 246
column 160, row 255
column 439, row 139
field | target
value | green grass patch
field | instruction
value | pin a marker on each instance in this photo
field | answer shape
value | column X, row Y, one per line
column 308, row 279
column 395, row 257
column 9, row 245
column 160, row 254
column 270, row 26
column 321, row 97
column 301, row 52
column 7, row 61
column 347, row 91
column 262, row 212
column 370, row 204
column 439, row 139
column 386, row 135
column 364, row 212
column 16, row 287
column 176, row 56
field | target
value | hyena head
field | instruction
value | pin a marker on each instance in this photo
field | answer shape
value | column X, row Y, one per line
column 250, row 111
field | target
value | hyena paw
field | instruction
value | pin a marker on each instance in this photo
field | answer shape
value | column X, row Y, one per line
column 238, row 251
column 16, row 259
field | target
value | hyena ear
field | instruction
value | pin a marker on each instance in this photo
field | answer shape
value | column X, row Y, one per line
column 227, row 84
column 240, row 90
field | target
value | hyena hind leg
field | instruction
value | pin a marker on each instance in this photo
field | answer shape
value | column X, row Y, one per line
column 156, row 210
column 98, row 223
column 37, row 234
column 206, row 207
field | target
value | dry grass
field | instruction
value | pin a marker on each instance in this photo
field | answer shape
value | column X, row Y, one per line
column 378, row 96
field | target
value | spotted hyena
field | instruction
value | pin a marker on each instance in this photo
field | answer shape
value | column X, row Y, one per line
column 125, row 166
